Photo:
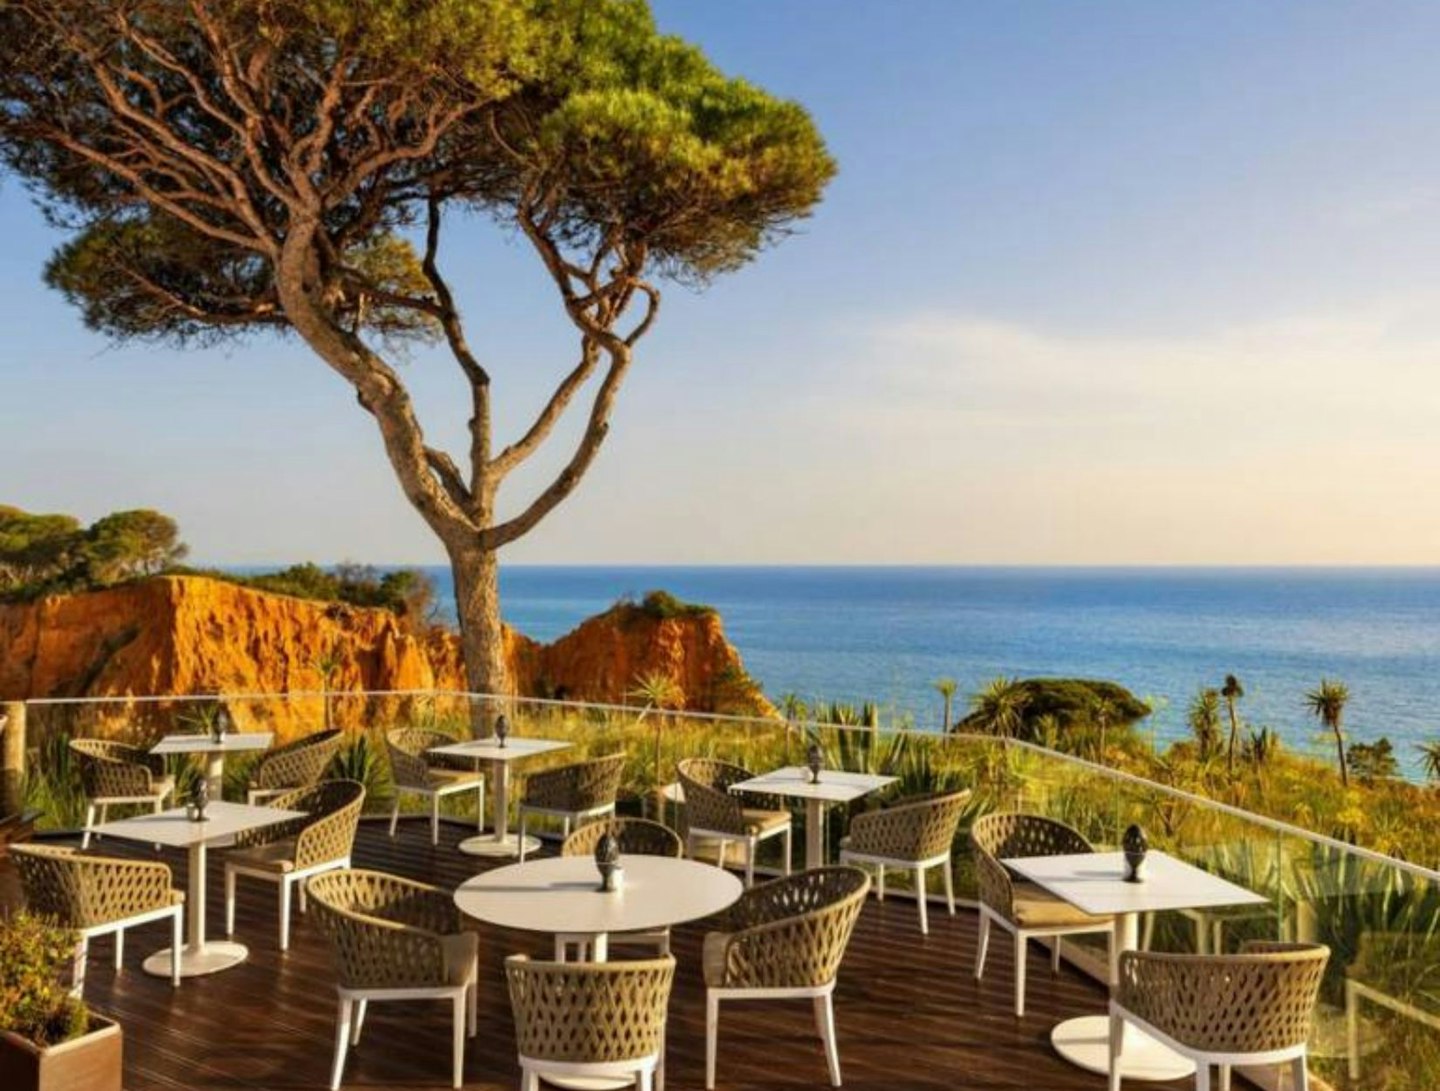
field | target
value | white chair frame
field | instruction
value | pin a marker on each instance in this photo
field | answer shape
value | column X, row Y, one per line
column 175, row 912
column 103, row 803
column 918, row 869
column 648, row 1072
column 1055, row 932
column 1294, row 1055
column 578, row 818
column 351, row 1021
column 821, row 996
column 435, row 795
column 285, row 880
column 750, row 843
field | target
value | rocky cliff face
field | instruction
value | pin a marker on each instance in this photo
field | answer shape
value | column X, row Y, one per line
column 191, row 635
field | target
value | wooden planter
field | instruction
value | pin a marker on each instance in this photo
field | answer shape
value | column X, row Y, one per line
column 88, row 1063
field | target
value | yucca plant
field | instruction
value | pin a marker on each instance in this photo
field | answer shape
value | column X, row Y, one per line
column 359, row 760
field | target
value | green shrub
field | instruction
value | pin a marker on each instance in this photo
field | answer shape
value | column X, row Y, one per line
column 36, row 958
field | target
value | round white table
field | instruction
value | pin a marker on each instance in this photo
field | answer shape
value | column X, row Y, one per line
column 561, row 895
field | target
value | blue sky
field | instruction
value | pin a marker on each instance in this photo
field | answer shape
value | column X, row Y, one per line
column 1097, row 283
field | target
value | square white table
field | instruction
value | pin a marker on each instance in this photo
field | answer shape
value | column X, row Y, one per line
column 1094, row 882
column 214, row 751
column 834, row 786
column 222, row 822
column 498, row 842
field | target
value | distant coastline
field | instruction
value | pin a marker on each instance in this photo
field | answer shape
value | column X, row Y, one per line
column 885, row 634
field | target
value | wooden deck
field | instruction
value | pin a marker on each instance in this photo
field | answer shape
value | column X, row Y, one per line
column 909, row 1012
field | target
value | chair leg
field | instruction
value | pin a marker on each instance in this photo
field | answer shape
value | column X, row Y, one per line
column 284, row 914
column 750, row 846
column 712, row 1036
column 435, row 819
column 524, row 823
column 1147, row 932
column 119, row 948
column 457, row 1037
column 1055, row 955
column 789, row 837
column 827, row 1035
column 472, row 1006
column 104, row 813
column 1202, row 1077
column 1224, row 1077
column 983, row 946
column 1299, row 1075
column 1019, row 974
column 304, row 898
column 721, row 853
column 921, row 899
column 644, row 1080
column 229, row 902
column 529, row 1080
column 1117, row 1036
column 177, row 941
column 949, row 872
column 879, row 882
column 395, row 813
column 361, row 1007
column 342, row 1040
column 89, row 825
column 1352, row 1030
column 77, row 968
column 479, row 806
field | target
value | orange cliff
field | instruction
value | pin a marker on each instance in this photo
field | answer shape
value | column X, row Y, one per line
column 194, row 635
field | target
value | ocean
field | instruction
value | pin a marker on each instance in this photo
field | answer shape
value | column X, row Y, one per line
column 886, row 634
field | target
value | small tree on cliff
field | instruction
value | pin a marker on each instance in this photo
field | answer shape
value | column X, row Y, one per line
column 231, row 166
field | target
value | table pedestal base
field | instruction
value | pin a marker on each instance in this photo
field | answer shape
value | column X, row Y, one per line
column 198, row 961
column 490, row 844
column 1085, row 1043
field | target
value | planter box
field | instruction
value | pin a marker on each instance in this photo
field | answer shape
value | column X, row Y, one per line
column 88, row 1063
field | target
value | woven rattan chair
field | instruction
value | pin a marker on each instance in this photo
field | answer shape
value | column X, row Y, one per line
column 115, row 772
column 414, row 772
column 637, row 837
column 1253, row 1008
column 915, row 834
column 784, row 940
column 289, row 853
column 1020, row 907
column 394, row 939
column 298, row 764
column 590, row 1019
column 714, row 814
column 99, row 895
column 572, row 793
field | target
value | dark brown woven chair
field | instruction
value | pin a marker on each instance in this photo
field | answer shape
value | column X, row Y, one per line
column 1253, row 1008
column 914, row 834
column 637, row 837
column 288, row 853
column 1021, row 907
column 572, row 793
column 590, row 1019
column 394, row 939
column 416, row 771
column 300, row 763
column 98, row 896
column 118, row 773
column 784, row 939
column 715, row 814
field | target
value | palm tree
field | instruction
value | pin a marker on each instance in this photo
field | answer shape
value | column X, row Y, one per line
column 946, row 687
column 1232, row 691
column 1204, row 720
column 1328, row 704
column 999, row 707
column 658, row 691
column 1430, row 758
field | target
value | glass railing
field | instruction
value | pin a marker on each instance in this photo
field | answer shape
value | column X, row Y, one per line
column 1378, row 1025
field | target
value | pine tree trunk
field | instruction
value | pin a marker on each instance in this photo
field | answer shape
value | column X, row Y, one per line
column 476, row 573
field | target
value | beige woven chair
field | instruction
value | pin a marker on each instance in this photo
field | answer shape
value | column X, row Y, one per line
column 298, row 764
column 1253, row 1008
column 714, row 813
column 915, row 834
column 590, row 1019
column 784, row 940
column 288, row 853
column 414, row 772
column 116, row 773
column 394, row 939
column 98, row 896
column 1020, row 907
column 572, row 793
column 637, row 837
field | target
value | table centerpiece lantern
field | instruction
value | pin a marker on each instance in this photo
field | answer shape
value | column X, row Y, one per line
column 814, row 761
column 197, row 802
column 502, row 730
column 607, row 861
column 1136, row 845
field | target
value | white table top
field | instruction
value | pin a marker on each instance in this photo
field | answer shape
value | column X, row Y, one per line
column 1094, row 883
column 173, row 828
column 561, row 894
column 491, row 750
column 834, row 787
column 204, row 744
